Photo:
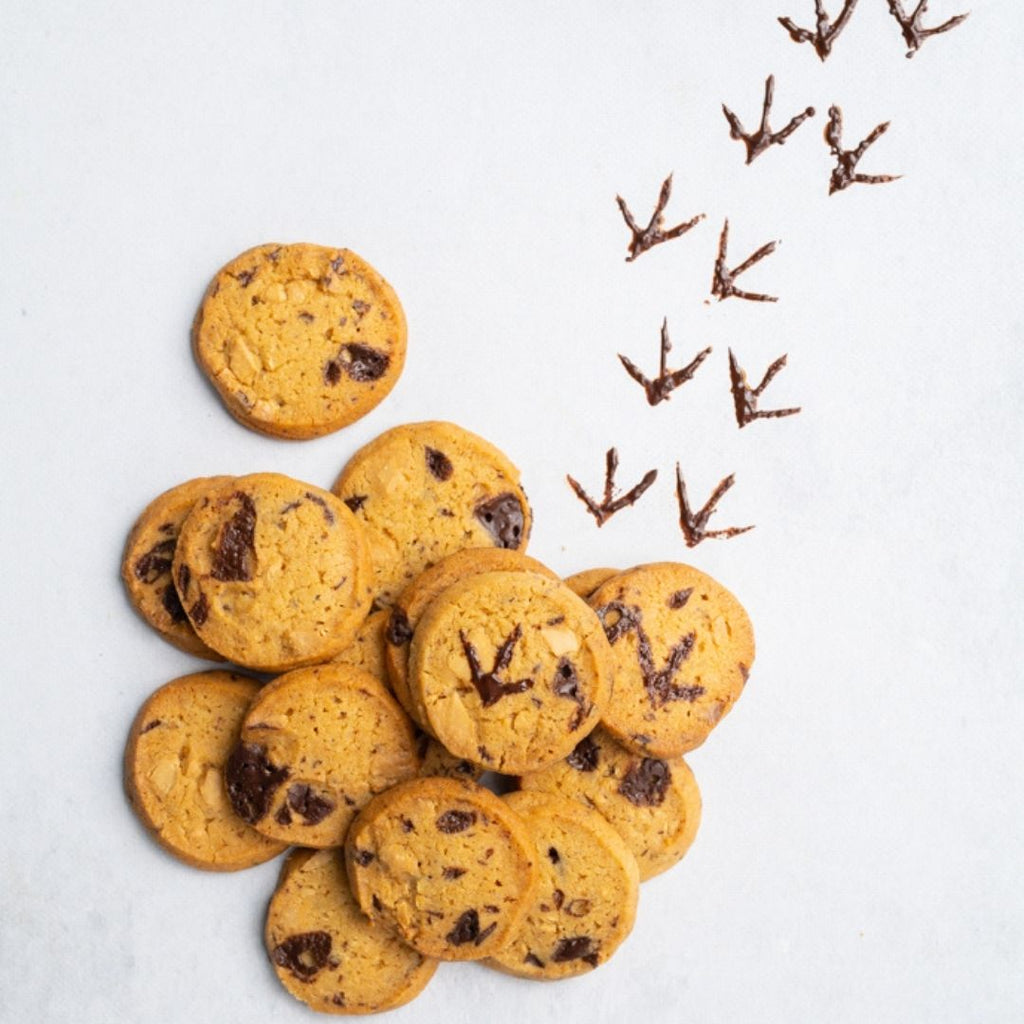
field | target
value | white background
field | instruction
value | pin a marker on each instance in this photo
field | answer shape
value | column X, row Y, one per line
column 861, row 851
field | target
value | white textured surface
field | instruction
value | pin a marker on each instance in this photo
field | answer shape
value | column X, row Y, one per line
column 860, row 857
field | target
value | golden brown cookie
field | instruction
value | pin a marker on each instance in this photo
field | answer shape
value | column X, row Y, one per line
column 324, row 950
column 174, row 766
column 511, row 670
column 681, row 645
column 316, row 745
column 273, row 573
column 586, row 899
column 444, row 863
column 300, row 340
column 584, row 583
column 146, row 565
column 426, row 490
column 413, row 601
column 653, row 804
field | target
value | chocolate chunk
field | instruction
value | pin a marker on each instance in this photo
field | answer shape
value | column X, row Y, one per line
column 244, row 277
column 407, row 825
column 532, row 958
column 579, row 948
column 252, row 781
column 338, row 999
column 467, row 929
column 646, row 783
column 363, row 857
column 283, row 816
column 234, row 557
column 553, row 855
column 360, row 308
column 325, row 508
column 558, row 898
column 399, row 631
column 585, row 755
column 172, row 604
column 155, row 562
column 332, row 372
column 304, row 954
column 200, row 610
column 455, row 821
column 356, row 502
column 439, row 464
column 361, row 362
column 451, row 873
column 307, row 804
column 679, row 598
column 503, row 519
column 184, row 578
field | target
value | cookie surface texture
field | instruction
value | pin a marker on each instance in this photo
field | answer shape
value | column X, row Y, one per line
column 682, row 647
column 316, row 745
column 511, row 669
column 584, row 583
column 446, row 864
column 300, row 340
column 273, row 573
column 324, row 950
column 653, row 804
column 147, row 560
column 587, row 895
column 427, row 490
column 174, row 769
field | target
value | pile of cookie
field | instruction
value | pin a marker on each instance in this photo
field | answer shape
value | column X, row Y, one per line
column 470, row 757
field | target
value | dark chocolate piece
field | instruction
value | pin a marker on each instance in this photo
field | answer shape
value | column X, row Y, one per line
column 553, row 855
column 579, row 948
column 283, row 816
column 503, row 518
column 308, row 805
column 252, row 781
column 304, row 955
column 558, row 898
column 439, row 464
column 451, row 873
column 825, row 31
column 567, row 684
column 467, row 929
column 356, row 502
column 361, row 362
column 723, row 281
column 156, row 561
column 363, row 857
column 244, row 277
column 610, row 505
column 172, row 604
column 679, row 598
column 399, row 630
column 585, row 755
column 844, row 174
column 360, row 308
column 324, row 507
column 200, row 610
column 332, row 372
column 645, row 784
column 455, row 821
column 914, row 34
column 745, row 398
column 655, row 233
column 407, row 825
column 660, row 389
column 757, row 142
column 490, row 688
column 694, row 525
column 234, row 557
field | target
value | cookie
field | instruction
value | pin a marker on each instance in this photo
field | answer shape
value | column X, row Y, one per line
column 146, row 565
column 653, row 804
column 273, row 573
column 300, row 340
column 324, row 950
column 682, row 647
column 316, row 745
column 587, row 895
column 426, row 490
column 413, row 601
column 584, row 583
column 174, row 767
column 511, row 670
column 445, row 864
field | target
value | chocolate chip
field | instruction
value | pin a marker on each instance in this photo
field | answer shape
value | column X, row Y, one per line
column 283, row 816
column 553, row 855
column 332, row 372
column 304, row 955
column 455, row 821
column 184, row 578
column 578, row 948
column 234, row 557
column 585, row 755
column 356, row 502
column 200, row 610
column 502, row 517
column 155, row 562
column 325, row 508
column 244, row 277
column 363, row 857
column 399, row 631
column 645, row 784
column 467, row 929
column 558, row 898
column 439, row 464
column 307, row 804
column 451, row 873
column 172, row 604
column 338, row 999
column 252, row 781
column 679, row 598
column 360, row 308
column 407, row 825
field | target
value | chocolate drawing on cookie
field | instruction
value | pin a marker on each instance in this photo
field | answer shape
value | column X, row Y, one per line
column 825, row 30
column 608, row 507
column 661, row 388
column 914, row 34
column 757, row 142
column 654, row 234
column 844, row 174
column 694, row 525
column 490, row 688
column 745, row 398
column 723, row 282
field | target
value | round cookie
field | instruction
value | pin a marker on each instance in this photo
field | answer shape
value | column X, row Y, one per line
column 174, row 766
column 681, row 646
column 653, row 804
column 584, row 583
column 316, row 745
column 324, row 950
column 444, row 863
column 426, row 490
column 300, row 340
column 586, row 899
column 511, row 670
column 273, row 573
column 146, row 564
column 414, row 600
